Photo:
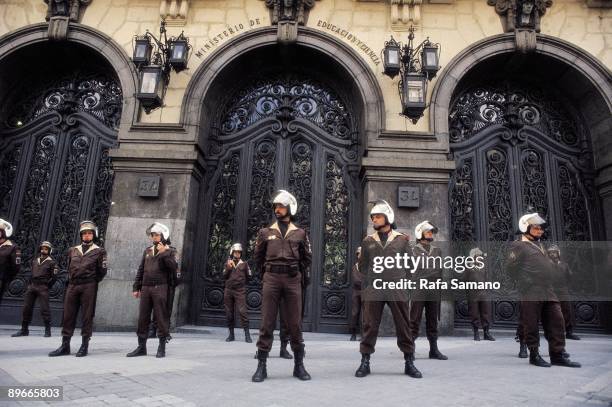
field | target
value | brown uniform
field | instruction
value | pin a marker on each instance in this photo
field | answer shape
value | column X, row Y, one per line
column 356, row 299
column 530, row 264
column 561, row 282
column 374, row 304
column 285, row 262
column 85, row 270
column 428, row 300
column 478, row 305
column 234, row 295
column 10, row 264
column 44, row 272
column 156, row 271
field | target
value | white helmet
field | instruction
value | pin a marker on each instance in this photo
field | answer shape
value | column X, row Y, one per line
column 424, row 227
column 7, row 227
column 475, row 252
column 88, row 225
column 160, row 228
column 358, row 251
column 529, row 219
column 382, row 207
column 236, row 247
column 286, row 199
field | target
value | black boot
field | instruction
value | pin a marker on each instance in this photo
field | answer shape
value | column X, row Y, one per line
column 434, row 352
column 22, row 332
column 571, row 335
column 230, row 337
column 141, row 350
column 558, row 359
column 565, row 354
column 364, row 367
column 353, row 335
column 152, row 331
column 523, row 351
column 47, row 330
column 261, row 373
column 161, row 348
column 284, row 353
column 487, row 335
column 536, row 359
column 247, row 336
column 64, row 348
column 84, row 347
column 476, row 334
column 409, row 368
column 299, row 370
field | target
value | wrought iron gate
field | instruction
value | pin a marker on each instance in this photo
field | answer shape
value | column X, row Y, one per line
column 293, row 133
column 55, row 170
column 518, row 148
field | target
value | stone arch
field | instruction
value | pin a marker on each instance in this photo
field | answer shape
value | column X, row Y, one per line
column 578, row 74
column 95, row 40
column 195, row 113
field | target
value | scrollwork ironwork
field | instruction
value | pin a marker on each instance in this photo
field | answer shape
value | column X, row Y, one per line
column 9, row 162
column 462, row 201
column 335, row 234
column 222, row 217
column 287, row 99
column 300, row 181
column 512, row 106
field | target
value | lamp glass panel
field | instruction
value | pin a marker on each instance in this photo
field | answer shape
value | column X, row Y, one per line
column 415, row 91
column 431, row 58
column 178, row 51
column 149, row 82
column 141, row 50
column 393, row 57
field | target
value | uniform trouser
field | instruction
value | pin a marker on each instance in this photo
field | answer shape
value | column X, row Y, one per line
column 284, row 329
column 372, row 314
column 355, row 310
column 567, row 308
column 276, row 288
column 153, row 298
column 235, row 298
column 170, row 302
column 42, row 292
column 480, row 313
column 431, row 318
column 549, row 312
column 83, row 297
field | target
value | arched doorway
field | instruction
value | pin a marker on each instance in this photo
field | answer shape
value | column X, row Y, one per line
column 55, row 135
column 523, row 137
column 292, row 117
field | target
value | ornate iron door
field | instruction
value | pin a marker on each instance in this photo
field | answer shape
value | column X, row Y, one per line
column 55, row 170
column 294, row 134
column 515, row 149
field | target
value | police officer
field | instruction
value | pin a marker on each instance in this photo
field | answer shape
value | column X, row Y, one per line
column 283, row 253
column 236, row 273
column 478, row 306
column 158, row 268
column 44, row 273
column 528, row 261
column 562, row 279
column 86, row 269
column 384, row 242
column 356, row 301
column 428, row 300
column 10, row 257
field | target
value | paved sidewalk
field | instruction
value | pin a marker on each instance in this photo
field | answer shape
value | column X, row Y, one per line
column 203, row 370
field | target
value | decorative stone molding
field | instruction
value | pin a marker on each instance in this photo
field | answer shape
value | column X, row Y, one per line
column 60, row 13
column 174, row 12
column 288, row 15
column 405, row 13
column 522, row 17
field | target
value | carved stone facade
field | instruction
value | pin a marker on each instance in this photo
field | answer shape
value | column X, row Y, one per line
column 522, row 17
column 60, row 13
column 313, row 113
